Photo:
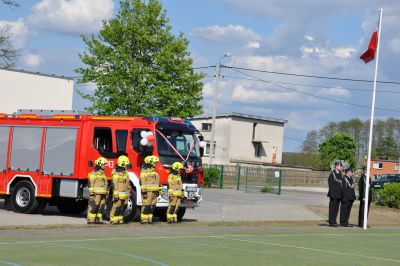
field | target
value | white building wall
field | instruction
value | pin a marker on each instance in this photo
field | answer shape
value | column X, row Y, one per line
column 234, row 136
column 269, row 134
column 20, row 90
column 222, row 139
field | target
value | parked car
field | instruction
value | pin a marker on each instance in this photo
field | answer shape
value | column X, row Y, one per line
column 385, row 179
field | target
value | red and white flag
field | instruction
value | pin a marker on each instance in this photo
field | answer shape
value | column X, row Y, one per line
column 369, row 55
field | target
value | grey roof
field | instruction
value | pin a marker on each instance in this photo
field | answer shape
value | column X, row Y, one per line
column 252, row 117
column 36, row 73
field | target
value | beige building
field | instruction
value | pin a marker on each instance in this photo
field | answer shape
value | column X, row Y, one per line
column 241, row 138
column 22, row 89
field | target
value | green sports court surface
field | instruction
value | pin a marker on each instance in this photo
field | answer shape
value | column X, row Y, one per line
column 199, row 245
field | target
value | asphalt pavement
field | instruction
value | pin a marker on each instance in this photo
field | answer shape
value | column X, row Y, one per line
column 217, row 205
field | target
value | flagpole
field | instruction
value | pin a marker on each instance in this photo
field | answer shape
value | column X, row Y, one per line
column 371, row 126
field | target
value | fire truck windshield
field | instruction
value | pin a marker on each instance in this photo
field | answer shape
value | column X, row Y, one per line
column 183, row 142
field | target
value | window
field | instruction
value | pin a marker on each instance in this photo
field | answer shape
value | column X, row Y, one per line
column 183, row 142
column 377, row 166
column 102, row 141
column 26, row 144
column 4, row 133
column 207, row 150
column 397, row 167
column 257, row 149
column 122, row 137
column 206, row 126
column 144, row 150
column 59, row 151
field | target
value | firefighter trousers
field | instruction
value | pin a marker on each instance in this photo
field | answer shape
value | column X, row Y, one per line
column 173, row 208
column 117, row 211
column 149, row 201
column 97, row 203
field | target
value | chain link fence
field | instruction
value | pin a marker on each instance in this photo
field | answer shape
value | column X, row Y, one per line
column 262, row 179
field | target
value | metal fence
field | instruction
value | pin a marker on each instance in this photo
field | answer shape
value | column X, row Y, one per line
column 261, row 179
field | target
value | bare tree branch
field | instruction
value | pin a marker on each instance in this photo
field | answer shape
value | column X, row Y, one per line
column 11, row 3
column 8, row 54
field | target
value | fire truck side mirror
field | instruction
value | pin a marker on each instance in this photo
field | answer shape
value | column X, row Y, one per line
column 90, row 163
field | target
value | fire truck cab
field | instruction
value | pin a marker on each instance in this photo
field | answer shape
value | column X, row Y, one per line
column 45, row 159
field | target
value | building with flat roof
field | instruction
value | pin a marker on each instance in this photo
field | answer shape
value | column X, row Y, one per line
column 22, row 89
column 242, row 138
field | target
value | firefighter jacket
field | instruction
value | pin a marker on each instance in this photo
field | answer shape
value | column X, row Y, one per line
column 121, row 184
column 149, row 179
column 97, row 182
column 175, row 185
column 348, row 188
column 335, row 184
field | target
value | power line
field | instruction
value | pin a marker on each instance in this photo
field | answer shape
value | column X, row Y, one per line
column 310, row 76
column 316, row 96
column 291, row 138
column 310, row 85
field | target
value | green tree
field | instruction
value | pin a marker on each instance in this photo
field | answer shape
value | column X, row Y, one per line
column 140, row 68
column 310, row 144
column 339, row 146
column 387, row 148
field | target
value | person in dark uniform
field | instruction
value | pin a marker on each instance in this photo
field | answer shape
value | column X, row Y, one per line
column 361, row 197
column 335, row 192
column 349, row 196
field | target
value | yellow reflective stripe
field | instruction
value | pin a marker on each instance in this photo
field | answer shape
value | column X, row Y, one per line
column 114, row 218
column 99, row 215
column 100, row 191
column 91, row 189
column 91, row 216
column 144, row 216
column 170, row 216
column 176, row 193
column 151, row 187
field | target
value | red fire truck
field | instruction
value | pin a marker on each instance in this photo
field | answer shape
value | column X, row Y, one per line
column 45, row 159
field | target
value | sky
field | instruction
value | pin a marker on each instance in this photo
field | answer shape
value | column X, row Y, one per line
column 306, row 37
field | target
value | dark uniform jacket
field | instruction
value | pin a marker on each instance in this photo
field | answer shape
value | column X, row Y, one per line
column 335, row 184
column 348, row 188
column 361, row 189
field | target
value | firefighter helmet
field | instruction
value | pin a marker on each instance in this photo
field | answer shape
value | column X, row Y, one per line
column 177, row 166
column 151, row 159
column 123, row 161
column 101, row 161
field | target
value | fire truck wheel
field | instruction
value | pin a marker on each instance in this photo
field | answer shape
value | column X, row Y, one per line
column 132, row 211
column 23, row 197
column 181, row 213
column 71, row 206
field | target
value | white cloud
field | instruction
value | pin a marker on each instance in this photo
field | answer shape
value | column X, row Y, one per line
column 321, row 52
column 243, row 94
column 18, row 30
column 308, row 38
column 226, row 34
column 335, row 91
column 70, row 16
column 253, row 45
column 32, row 61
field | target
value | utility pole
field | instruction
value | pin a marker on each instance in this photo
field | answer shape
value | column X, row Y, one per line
column 214, row 108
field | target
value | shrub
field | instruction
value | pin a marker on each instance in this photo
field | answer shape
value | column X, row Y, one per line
column 211, row 176
column 267, row 189
column 390, row 195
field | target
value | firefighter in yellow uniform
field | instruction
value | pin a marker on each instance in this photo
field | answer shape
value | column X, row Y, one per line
column 121, row 192
column 175, row 192
column 150, row 186
column 97, row 190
